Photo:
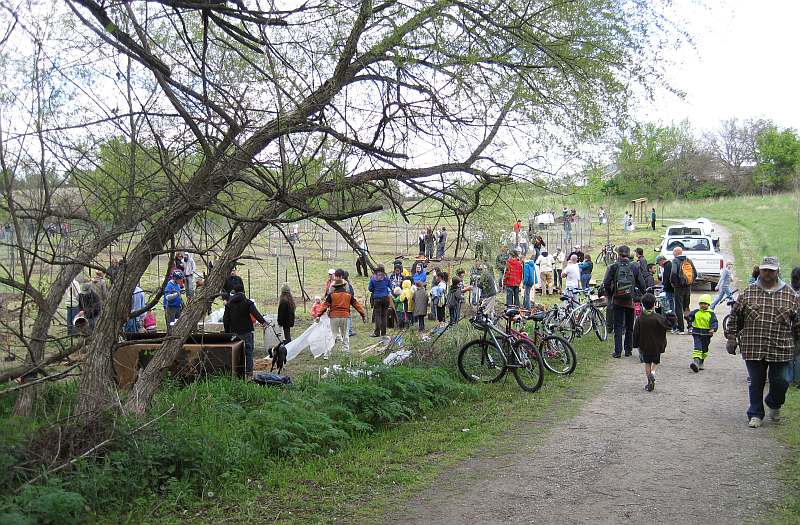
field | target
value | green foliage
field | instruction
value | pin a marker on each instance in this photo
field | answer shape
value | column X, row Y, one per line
column 44, row 505
column 778, row 159
column 223, row 430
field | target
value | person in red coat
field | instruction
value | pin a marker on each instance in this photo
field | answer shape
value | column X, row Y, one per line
column 512, row 278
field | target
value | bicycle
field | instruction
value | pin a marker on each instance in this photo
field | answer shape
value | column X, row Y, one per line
column 607, row 255
column 587, row 316
column 488, row 358
column 558, row 356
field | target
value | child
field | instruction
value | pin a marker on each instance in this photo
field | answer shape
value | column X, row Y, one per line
column 455, row 298
column 407, row 296
column 286, row 308
column 420, row 305
column 316, row 308
column 650, row 337
column 149, row 322
column 704, row 323
column 399, row 307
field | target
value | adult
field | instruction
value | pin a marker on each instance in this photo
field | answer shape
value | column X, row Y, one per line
column 488, row 289
column 173, row 304
column 430, row 240
column 339, row 301
column 586, row 266
column 538, row 245
column 512, row 278
column 113, row 270
column 545, row 263
column 345, row 276
column 286, row 310
column 380, row 288
column 653, row 219
column 766, row 324
column 567, row 227
column 529, row 279
column 682, row 276
column 558, row 269
column 398, row 275
column 421, row 241
column 231, row 282
column 572, row 275
column 576, row 251
column 623, row 282
column 441, row 243
column 517, row 228
column 135, row 324
column 500, row 262
column 724, row 285
column 522, row 245
column 418, row 272
column 601, row 216
column 326, row 288
column 238, row 319
column 641, row 260
column 795, row 376
column 669, row 292
column 439, row 297
column 189, row 272
column 626, row 220
column 361, row 258
column 100, row 286
column 89, row 305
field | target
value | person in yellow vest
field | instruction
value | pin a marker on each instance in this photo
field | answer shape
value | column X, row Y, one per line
column 704, row 323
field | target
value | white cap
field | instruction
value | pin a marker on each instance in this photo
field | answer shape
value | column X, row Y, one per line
column 331, row 271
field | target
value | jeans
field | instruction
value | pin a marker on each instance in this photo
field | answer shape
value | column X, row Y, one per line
column 723, row 294
column 623, row 326
column 668, row 305
column 420, row 322
column 512, row 295
column 249, row 341
column 526, row 299
column 585, row 278
column 758, row 372
column 455, row 313
column 172, row 314
column 793, row 370
column 681, row 299
column 381, row 306
column 429, row 251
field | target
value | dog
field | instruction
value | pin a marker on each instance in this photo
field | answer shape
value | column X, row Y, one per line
column 278, row 356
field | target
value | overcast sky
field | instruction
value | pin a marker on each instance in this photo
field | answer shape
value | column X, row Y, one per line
column 744, row 64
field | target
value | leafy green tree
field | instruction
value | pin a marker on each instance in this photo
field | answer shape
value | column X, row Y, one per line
column 778, row 159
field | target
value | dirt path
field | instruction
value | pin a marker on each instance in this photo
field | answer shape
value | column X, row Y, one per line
column 682, row 454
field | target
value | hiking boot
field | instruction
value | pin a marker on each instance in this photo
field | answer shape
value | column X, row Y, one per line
column 695, row 365
column 616, row 355
column 774, row 414
column 628, row 354
column 702, row 364
column 651, row 382
column 755, row 422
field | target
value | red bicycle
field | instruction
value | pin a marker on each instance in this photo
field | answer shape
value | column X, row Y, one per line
column 558, row 356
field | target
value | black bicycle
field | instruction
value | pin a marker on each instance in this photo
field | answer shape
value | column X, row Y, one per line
column 488, row 358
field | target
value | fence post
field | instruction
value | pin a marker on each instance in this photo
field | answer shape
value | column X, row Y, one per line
column 277, row 276
column 249, row 290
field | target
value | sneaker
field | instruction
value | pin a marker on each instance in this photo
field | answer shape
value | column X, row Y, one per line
column 774, row 414
column 694, row 365
column 651, row 382
column 755, row 422
column 374, row 335
column 628, row 354
column 675, row 331
column 616, row 355
column 702, row 364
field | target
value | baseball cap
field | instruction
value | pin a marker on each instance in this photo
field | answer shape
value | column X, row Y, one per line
column 331, row 271
column 769, row 263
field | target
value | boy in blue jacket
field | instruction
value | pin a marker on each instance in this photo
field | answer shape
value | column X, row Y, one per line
column 529, row 279
column 704, row 323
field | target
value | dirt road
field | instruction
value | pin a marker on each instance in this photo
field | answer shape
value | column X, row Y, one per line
column 681, row 454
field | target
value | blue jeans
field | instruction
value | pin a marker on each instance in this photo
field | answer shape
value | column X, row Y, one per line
column 512, row 295
column 668, row 305
column 623, row 326
column 793, row 370
column 526, row 299
column 723, row 294
column 758, row 372
column 585, row 278
column 249, row 342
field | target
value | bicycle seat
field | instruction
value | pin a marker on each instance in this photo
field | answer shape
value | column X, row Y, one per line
column 538, row 316
column 565, row 298
column 511, row 312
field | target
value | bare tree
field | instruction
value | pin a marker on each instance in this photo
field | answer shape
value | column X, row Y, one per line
column 734, row 146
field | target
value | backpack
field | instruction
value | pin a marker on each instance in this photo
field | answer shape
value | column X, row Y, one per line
column 625, row 280
column 268, row 379
column 682, row 276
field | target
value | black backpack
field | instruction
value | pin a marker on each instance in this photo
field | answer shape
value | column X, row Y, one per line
column 625, row 281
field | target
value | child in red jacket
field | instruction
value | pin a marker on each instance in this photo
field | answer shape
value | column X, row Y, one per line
column 512, row 278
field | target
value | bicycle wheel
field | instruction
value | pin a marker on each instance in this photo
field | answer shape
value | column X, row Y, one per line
column 582, row 321
column 530, row 375
column 599, row 324
column 726, row 321
column 481, row 361
column 558, row 355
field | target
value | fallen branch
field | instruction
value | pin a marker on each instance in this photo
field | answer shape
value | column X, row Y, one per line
column 94, row 449
column 54, row 377
column 22, row 371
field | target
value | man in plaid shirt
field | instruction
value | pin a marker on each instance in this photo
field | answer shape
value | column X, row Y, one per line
column 766, row 323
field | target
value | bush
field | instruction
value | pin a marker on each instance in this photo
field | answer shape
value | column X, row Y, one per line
column 223, row 430
column 44, row 505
